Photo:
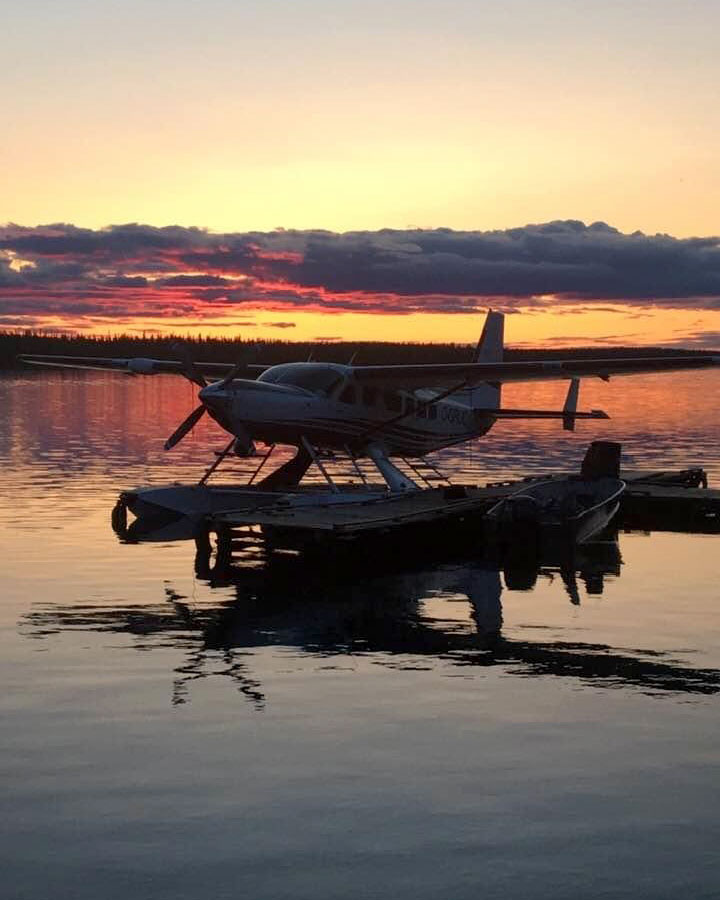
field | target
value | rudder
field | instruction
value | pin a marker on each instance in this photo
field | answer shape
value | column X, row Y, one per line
column 490, row 347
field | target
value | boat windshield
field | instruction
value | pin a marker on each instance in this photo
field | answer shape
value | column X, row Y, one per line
column 315, row 377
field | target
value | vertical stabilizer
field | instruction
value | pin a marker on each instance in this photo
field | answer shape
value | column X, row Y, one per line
column 490, row 349
column 490, row 345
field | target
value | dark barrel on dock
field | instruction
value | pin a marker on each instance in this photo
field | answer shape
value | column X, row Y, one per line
column 602, row 460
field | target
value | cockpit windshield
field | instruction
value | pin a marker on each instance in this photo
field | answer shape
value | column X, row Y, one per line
column 316, row 377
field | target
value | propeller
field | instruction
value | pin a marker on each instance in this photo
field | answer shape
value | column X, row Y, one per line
column 185, row 426
column 233, row 373
column 190, row 370
column 193, row 374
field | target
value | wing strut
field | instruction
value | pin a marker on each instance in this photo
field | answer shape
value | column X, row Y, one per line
column 377, row 429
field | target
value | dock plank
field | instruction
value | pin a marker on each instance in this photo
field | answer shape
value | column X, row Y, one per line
column 647, row 491
column 423, row 505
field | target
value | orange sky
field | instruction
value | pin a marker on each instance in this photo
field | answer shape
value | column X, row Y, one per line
column 528, row 328
column 466, row 114
column 362, row 116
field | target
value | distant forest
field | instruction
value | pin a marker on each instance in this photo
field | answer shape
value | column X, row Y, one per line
column 271, row 352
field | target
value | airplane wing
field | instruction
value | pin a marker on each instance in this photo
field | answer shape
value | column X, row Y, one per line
column 469, row 374
column 434, row 375
column 130, row 366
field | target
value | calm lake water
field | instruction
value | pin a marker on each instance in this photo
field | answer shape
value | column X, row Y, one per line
column 422, row 729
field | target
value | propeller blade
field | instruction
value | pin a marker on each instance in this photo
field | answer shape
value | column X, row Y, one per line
column 233, row 373
column 190, row 370
column 249, row 354
column 186, row 426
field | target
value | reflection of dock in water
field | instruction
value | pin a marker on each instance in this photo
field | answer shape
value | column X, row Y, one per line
column 448, row 612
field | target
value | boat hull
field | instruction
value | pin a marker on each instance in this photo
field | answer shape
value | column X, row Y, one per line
column 573, row 510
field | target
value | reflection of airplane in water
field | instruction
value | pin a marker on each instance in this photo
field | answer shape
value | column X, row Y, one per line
column 449, row 612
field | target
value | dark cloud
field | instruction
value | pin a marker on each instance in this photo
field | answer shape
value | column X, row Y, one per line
column 208, row 323
column 559, row 258
column 117, row 240
column 581, row 339
column 130, row 270
column 192, row 281
column 126, row 281
column 692, row 340
column 698, row 340
column 18, row 321
column 279, row 324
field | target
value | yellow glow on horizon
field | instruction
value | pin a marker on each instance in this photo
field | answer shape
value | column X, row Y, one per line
column 610, row 326
column 493, row 161
column 470, row 190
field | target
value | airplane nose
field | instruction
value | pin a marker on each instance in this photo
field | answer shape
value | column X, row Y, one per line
column 217, row 401
column 212, row 395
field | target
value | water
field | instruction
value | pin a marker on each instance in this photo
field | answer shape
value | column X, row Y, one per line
column 420, row 728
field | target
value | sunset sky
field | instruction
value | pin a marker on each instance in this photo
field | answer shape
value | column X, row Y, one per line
column 363, row 169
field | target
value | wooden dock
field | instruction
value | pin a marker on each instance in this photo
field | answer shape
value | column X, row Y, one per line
column 659, row 507
column 381, row 514
column 665, row 501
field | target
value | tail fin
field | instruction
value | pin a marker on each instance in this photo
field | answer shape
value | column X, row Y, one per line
column 489, row 350
column 490, row 345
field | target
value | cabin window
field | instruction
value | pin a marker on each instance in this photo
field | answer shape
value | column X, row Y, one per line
column 410, row 406
column 392, row 401
column 318, row 378
column 432, row 411
column 369, row 395
column 348, row 394
column 422, row 410
column 318, row 382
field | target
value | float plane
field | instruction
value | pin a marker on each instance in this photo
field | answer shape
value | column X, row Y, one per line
column 377, row 411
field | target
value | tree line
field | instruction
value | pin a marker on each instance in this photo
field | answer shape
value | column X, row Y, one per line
column 270, row 352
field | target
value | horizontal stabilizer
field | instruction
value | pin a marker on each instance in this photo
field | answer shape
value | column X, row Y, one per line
column 541, row 414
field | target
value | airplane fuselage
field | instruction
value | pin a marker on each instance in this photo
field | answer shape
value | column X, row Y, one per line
column 350, row 416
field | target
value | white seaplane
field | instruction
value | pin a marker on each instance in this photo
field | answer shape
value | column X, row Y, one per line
column 378, row 411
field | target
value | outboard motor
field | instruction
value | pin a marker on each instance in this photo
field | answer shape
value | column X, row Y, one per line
column 602, row 460
column 521, row 510
column 520, row 531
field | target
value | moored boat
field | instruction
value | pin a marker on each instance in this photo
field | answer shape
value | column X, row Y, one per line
column 576, row 508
